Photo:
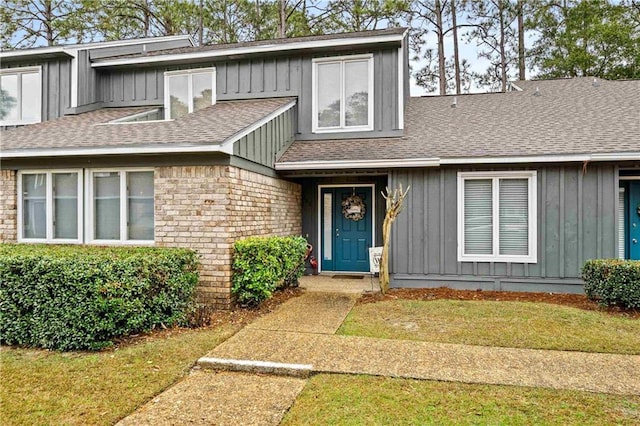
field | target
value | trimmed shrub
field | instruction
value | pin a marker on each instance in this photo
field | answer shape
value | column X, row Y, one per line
column 263, row 264
column 79, row 297
column 613, row 282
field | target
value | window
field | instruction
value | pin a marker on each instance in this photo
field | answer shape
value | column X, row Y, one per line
column 497, row 217
column 188, row 91
column 50, row 208
column 343, row 94
column 121, row 205
column 20, row 96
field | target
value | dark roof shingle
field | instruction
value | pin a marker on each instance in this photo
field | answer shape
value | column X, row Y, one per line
column 212, row 125
column 570, row 116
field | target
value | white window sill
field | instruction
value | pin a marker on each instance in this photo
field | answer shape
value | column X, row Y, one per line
column 497, row 259
column 344, row 129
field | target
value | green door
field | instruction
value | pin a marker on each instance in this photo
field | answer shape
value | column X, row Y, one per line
column 346, row 229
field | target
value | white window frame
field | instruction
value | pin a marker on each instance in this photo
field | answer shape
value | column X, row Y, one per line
column 90, row 230
column 49, row 206
column 19, row 72
column 189, row 73
column 314, row 109
column 531, row 176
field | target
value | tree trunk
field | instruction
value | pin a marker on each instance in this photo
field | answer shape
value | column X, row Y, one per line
column 48, row 23
column 200, row 23
column 503, row 56
column 282, row 32
column 456, row 55
column 442, row 75
column 521, row 65
column 384, row 260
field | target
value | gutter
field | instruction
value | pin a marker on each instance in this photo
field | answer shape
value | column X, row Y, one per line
column 436, row 162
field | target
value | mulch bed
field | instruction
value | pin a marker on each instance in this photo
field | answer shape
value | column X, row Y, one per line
column 579, row 301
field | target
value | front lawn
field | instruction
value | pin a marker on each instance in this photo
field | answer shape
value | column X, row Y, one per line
column 358, row 400
column 78, row 388
column 490, row 323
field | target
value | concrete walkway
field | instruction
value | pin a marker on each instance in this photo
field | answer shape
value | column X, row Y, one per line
column 302, row 331
column 298, row 339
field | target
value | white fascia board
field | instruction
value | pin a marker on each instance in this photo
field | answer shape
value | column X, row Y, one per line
column 435, row 162
column 568, row 158
column 31, row 52
column 70, row 49
column 265, row 48
column 358, row 164
column 253, row 127
column 116, row 150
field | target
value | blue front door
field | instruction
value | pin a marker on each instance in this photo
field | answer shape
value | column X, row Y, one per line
column 633, row 222
column 347, row 225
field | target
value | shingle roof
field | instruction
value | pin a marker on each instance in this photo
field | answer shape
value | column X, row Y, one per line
column 277, row 41
column 209, row 126
column 570, row 116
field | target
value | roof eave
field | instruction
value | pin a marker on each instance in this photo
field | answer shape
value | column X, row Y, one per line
column 436, row 162
column 267, row 48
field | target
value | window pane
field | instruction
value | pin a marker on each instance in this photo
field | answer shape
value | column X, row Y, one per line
column 34, row 206
column 65, row 205
column 140, row 205
column 179, row 95
column 202, row 90
column 31, row 97
column 9, row 98
column 328, row 95
column 514, row 216
column 356, row 87
column 106, row 198
column 478, row 220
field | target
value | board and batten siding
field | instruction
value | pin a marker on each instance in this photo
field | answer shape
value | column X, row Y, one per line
column 264, row 77
column 577, row 220
column 263, row 144
column 56, row 85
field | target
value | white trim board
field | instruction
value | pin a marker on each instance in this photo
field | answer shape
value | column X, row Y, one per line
column 373, row 219
column 68, row 49
column 265, row 48
column 436, row 162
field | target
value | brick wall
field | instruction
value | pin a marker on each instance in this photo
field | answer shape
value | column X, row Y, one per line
column 207, row 208
column 8, row 208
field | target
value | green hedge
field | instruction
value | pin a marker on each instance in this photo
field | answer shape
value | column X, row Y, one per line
column 613, row 282
column 79, row 297
column 263, row 264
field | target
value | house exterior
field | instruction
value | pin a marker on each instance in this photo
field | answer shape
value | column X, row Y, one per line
column 158, row 142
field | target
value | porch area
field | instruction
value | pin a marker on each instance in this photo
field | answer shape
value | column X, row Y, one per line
column 336, row 283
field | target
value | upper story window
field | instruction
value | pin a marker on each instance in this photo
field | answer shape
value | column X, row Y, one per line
column 186, row 91
column 343, row 93
column 20, row 96
column 497, row 217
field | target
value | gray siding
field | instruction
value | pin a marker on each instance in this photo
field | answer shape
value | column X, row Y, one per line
column 263, row 77
column 576, row 222
column 87, row 80
column 56, row 85
column 263, row 144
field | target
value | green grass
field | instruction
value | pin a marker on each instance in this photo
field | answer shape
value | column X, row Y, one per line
column 42, row 387
column 358, row 400
column 506, row 324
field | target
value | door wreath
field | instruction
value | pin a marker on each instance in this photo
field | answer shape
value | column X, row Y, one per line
column 353, row 208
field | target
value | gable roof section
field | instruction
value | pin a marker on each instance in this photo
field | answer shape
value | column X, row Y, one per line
column 570, row 120
column 214, row 128
column 393, row 35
